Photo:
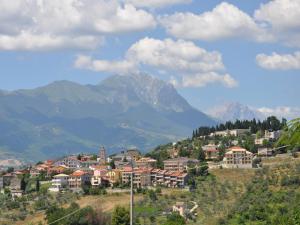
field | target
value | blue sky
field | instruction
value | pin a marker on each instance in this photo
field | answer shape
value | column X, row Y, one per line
column 212, row 51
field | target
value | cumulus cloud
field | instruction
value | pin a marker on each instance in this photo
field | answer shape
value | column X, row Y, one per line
column 282, row 19
column 156, row 3
column 281, row 111
column 279, row 62
column 187, row 64
column 28, row 41
column 201, row 80
column 224, row 21
column 173, row 55
column 280, row 14
column 273, row 21
column 119, row 67
column 68, row 23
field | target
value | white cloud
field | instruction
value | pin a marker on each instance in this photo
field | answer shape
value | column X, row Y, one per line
column 187, row 64
column 201, row 80
column 224, row 21
column 68, row 23
column 173, row 55
column 280, row 14
column 282, row 19
column 279, row 62
column 27, row 41
column 274, row 21
column 119, row 67
column 156, row 3
column 281, row 111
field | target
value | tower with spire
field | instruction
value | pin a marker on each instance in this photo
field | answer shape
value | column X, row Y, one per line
column 102, row 156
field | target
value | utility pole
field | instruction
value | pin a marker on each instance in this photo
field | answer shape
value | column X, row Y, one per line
column 131, row 196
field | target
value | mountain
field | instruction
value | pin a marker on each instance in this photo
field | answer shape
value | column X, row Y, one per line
column 66, row 117
column 234, row 111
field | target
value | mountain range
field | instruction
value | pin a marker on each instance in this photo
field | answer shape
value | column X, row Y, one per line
column 233, row 111
column 120, row 112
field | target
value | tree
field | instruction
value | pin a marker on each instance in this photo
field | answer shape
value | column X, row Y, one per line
column 112, row 164
column 203, row 169
column 10, row 169
column 175, row 219
column 152, row 195
column 37, row 185
column 23, row 184
column 94, row 157
column 201, row 155
column 120, row 216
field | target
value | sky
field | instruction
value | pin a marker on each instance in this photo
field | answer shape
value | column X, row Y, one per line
column 213, row 52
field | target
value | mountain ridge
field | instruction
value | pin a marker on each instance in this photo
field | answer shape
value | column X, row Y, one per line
column 232, row 111
column 120, row 111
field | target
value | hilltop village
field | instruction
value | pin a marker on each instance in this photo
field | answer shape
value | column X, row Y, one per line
column 171, row 166
column 207, row 177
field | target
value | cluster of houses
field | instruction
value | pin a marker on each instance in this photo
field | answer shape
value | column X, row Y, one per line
column 73, row 171
column 268, row 135
column 126, row 164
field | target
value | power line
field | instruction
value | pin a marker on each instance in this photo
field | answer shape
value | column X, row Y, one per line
column 65, row 216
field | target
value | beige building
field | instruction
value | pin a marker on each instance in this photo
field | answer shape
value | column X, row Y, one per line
column 114, row 176
column 78, row 178
column 134, row 154
column 166, row 178
column 234, row 132
column 178, row 164
column 141, row 177
column 237, row 157
column 145, row 162
column 211, row 151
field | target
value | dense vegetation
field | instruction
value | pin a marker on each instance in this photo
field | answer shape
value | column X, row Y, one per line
column 291, row 135
column 271, row 198
column 74, row 215
column 271, row 123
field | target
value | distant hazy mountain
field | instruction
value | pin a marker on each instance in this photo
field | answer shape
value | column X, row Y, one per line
column 234, row 111
column 66, row 117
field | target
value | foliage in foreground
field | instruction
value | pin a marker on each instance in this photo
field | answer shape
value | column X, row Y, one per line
column 73, row 215
column 271, row 199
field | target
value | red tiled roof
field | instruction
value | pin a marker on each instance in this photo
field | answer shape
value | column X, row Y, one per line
column 78, row 173
column 127, row 169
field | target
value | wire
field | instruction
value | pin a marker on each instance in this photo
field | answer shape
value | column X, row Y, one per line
column 65, row 216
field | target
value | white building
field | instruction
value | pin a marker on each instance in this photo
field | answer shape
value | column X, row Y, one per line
column 234, row 132
column 237, row 157
column 59, row 182
column 70, row 161
column 272, row 134
column 265, row 152
column 259, row 141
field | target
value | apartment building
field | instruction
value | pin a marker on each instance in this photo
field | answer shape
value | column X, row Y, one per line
column 237, row 157
column 211, row 151
column 141, row 176
column 78, row 178
column 70, row 161
column 166, row 178
column 145, row 162
column 178, row 164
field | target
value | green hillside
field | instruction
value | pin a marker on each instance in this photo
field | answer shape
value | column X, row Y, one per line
column 66, row 117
